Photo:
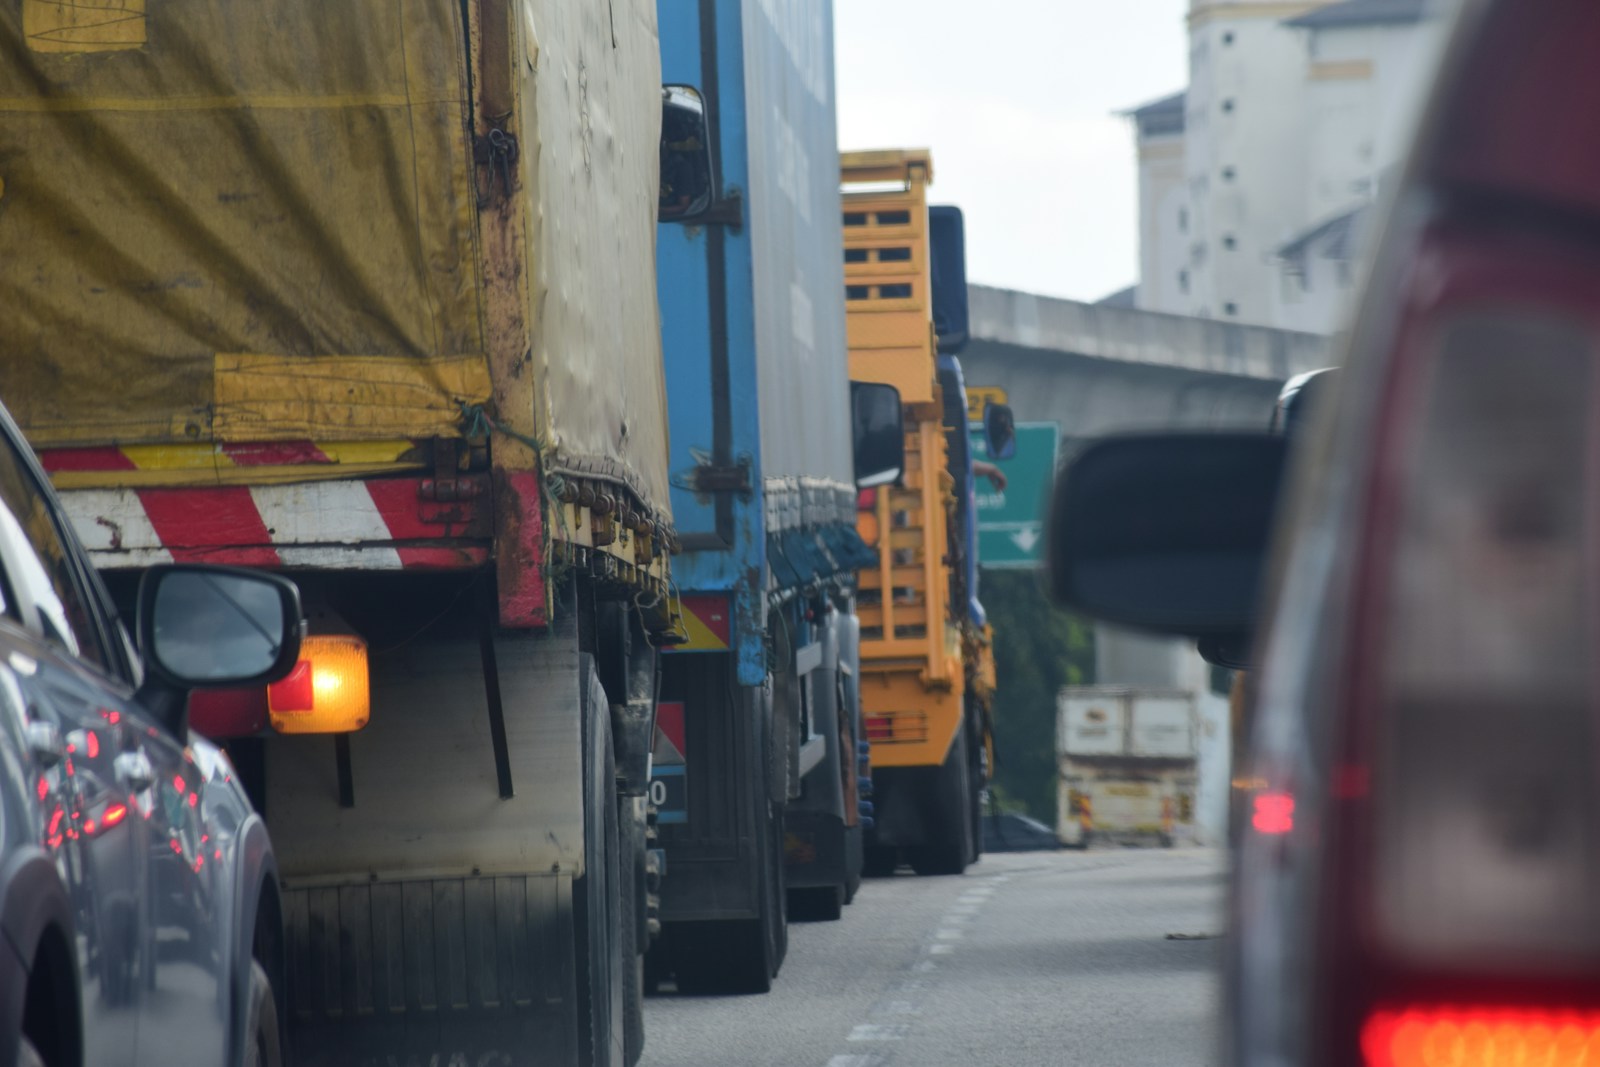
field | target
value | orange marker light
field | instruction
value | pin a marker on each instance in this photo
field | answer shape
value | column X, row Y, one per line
column 327, row 692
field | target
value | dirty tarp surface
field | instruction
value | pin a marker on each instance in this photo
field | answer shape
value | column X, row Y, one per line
column 234, row 221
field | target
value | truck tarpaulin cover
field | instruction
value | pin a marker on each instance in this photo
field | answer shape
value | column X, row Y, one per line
column 226, row 221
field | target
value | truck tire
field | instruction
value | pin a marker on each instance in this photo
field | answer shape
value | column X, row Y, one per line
column 950, row 805
column 634, row 925
column 263, row 1039
column 879, row 861
column 597, row 895
column 977, row 771
column 823, row 903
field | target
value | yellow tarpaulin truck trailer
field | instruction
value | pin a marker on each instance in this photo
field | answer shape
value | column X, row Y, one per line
column 365, row 292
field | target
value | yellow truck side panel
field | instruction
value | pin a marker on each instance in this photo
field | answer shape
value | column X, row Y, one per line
column 912, row 652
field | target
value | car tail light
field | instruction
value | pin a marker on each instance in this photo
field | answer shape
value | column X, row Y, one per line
column 327, row 691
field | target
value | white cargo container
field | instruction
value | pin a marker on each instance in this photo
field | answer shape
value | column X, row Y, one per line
column 1127, row 760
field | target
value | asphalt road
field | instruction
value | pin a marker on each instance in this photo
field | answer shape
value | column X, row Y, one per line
column 1058, row 958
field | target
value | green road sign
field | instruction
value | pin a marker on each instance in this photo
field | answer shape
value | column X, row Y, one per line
column 1011, row 520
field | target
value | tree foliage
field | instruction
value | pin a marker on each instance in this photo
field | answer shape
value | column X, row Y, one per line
column 1038, row 649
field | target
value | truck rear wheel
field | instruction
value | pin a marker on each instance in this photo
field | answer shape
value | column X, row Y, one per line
column 634, row 926
column 950, row 801
column 597, row 895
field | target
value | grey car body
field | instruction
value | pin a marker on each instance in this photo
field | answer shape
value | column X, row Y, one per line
column 137, row 886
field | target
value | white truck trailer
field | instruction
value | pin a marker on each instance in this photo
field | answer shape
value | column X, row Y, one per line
column 1127, row 762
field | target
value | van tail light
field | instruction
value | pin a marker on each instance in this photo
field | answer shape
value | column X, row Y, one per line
column 1463, row 886
column 1481, row 1037
column 327, row 691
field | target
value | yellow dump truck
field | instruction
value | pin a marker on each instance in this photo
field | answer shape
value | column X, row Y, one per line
column 927, row 668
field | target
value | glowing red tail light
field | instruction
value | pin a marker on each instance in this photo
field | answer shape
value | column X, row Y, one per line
column 294, row 692
column 1481, row 1037
column 114, row 814
column 1273, row 814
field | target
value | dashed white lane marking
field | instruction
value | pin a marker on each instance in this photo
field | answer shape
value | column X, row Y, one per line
column 901, row 1000
column 880, row 1032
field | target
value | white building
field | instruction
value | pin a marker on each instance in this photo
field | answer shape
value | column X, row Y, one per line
column 1293, row 112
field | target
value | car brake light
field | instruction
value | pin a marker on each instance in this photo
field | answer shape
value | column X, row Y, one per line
column 327, row 692
column 1480, row 1037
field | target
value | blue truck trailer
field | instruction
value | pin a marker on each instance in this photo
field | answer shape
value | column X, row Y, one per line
column 756, row 772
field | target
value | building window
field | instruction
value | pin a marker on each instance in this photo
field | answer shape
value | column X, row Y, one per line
column 1229, row 243
column 1230, row 308
column 1183, row 282
column 1227, row 174
column 1183, row 220
column 1227, row 105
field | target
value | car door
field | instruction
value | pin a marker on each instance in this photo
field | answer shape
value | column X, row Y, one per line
column 185, row 1020
column 58, row 666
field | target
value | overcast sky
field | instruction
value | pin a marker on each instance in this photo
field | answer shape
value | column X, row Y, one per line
column 1018, row 100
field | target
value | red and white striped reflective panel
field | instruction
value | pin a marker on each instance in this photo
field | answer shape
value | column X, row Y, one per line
column 346, row 524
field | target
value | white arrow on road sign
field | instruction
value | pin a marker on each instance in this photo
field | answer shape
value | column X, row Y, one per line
column 1026, row 538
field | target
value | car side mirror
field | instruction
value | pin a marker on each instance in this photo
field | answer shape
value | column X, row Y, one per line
column 877, row 433
column 688, row 185
column 203, row 627
column 1169, row 533
column 999, row 431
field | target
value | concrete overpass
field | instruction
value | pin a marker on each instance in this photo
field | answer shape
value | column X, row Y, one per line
column 1094, row 369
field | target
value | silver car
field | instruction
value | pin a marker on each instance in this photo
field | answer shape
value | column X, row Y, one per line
column 138, row 891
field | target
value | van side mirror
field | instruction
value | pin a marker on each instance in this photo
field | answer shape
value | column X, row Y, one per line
column 1168, row 532
column 999, row 431
column 877, row 433
column 688, row 186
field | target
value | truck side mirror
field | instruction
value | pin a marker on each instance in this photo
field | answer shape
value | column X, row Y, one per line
column 1168, row 532
column 688, row 185
column 877, row 433
column 947, row 268
column 999, row 431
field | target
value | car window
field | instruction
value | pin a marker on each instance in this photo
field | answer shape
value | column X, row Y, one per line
column 37, row 560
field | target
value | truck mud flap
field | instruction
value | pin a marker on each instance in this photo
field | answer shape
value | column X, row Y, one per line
column 433, row 971
column 712, row 871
